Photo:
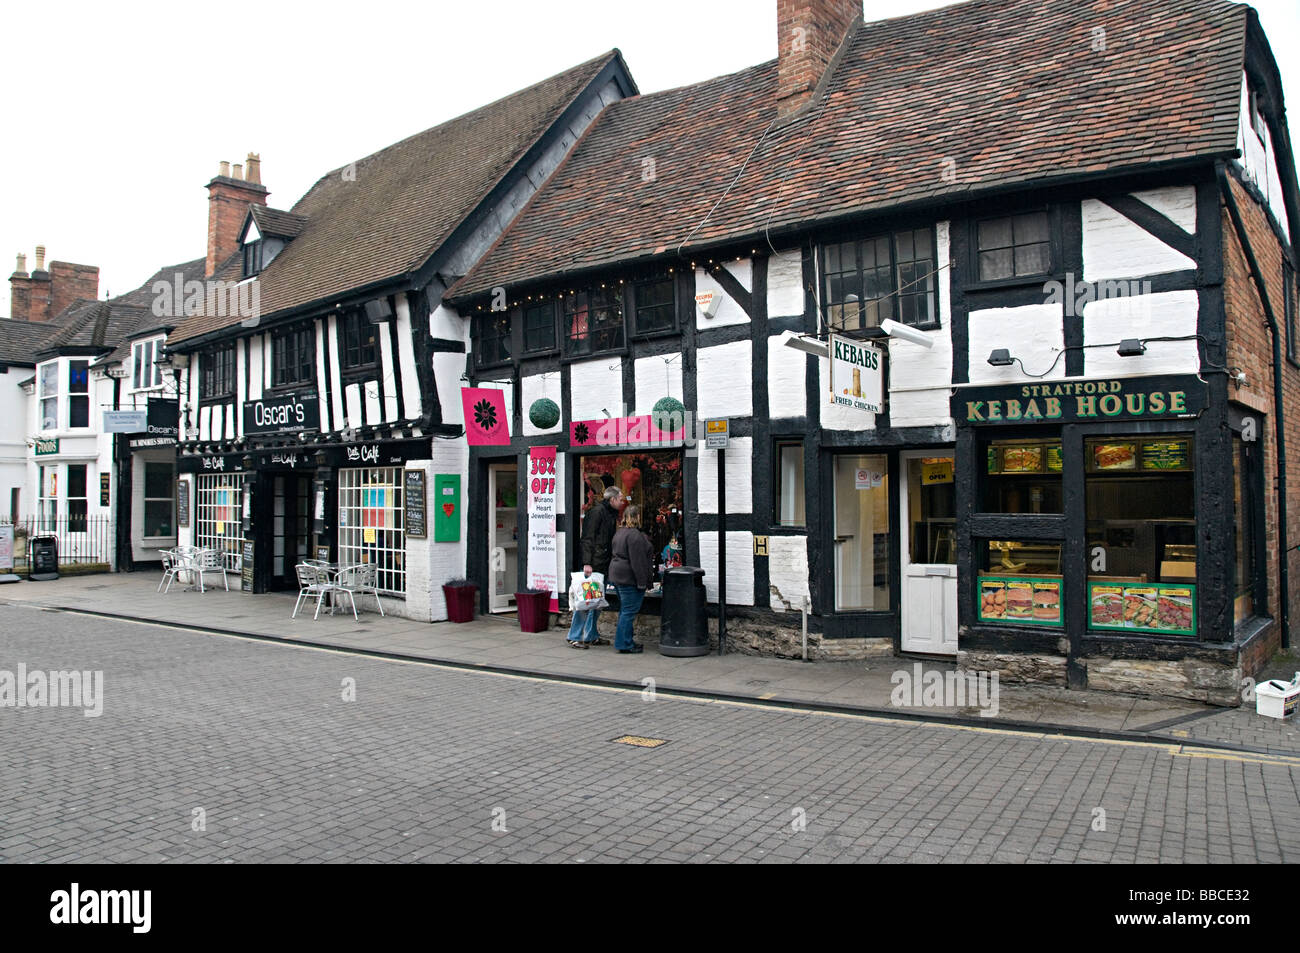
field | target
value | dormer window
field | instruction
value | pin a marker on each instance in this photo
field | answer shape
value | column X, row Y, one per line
column 252, row 257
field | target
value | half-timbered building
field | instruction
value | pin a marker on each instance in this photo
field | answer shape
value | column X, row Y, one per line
column 310, row 360
column 1068, row 227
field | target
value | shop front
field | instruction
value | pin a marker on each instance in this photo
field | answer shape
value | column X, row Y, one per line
column 1093, row 517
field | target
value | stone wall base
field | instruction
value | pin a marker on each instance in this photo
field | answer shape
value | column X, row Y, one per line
column 1193, row 679
column 747, row 637
column 1015, row 666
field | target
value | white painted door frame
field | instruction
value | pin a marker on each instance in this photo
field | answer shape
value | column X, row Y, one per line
column 928, row 602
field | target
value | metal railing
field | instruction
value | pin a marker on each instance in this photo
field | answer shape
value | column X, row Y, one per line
column 83, row 540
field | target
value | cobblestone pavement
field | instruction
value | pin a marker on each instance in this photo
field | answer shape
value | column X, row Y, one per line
column 435, row 764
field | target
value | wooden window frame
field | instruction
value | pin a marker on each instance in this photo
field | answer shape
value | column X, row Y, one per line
column 299, row 344
column 217, row 368
column 356, row 321
column 894, row 295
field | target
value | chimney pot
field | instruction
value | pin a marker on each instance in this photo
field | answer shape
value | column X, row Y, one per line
column 238, row 172
column 40, row 257
column 22, row 265
column 223, row 168
column 254, row 173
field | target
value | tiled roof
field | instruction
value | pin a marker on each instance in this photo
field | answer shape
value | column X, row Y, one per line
column 385, row 215
column 19, row 340
column 277, row 222
column 96, row 324
column 992, row 92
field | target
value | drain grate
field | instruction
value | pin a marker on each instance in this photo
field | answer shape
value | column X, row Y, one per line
column 637, row 741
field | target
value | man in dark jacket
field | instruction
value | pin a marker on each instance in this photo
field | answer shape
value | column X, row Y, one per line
column 598, row 528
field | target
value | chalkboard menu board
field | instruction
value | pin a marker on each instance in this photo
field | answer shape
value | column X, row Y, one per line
column 413, row 503
column 246, row 567
column 183, row 503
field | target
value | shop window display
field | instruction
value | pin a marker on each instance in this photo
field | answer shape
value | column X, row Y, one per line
column 653, row 481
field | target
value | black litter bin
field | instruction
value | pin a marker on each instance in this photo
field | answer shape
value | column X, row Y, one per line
column 683, row 626
column 43, row 558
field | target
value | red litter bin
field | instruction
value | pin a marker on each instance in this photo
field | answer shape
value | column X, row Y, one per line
column 534, row 610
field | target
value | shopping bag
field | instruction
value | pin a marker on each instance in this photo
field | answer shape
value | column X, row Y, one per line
column 587, row 592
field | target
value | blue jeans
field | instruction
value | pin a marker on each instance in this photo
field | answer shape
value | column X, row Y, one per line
column 584, row 620
column 629, row 604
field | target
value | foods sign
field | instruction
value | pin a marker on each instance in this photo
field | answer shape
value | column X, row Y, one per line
column 1074, row 401
column 856, row 375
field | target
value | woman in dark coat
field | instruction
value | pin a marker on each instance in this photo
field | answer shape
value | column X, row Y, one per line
column 630, row 569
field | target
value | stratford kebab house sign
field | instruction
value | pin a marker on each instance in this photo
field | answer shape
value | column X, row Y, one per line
column 283, row 413
column 1081, row 401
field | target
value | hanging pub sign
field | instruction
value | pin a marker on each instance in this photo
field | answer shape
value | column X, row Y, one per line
column 283, row 414
column 125, row 421
column 1081, row 401
column 161, row 425
column 856, row 375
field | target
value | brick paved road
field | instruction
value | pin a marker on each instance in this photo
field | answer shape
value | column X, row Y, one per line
column 417, row 767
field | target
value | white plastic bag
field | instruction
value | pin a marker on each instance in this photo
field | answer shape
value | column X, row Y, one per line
column 587, row 592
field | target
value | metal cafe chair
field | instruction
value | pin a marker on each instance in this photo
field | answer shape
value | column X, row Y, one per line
column 344, row 584
column 171, row 566
column 360, row 580
column 312, row 581
column 209, row 561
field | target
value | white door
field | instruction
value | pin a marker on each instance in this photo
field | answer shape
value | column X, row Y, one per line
column 503, row 537
column 927, row 501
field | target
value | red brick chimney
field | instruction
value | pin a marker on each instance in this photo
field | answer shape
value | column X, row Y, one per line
column 43, row 295
column 809, row 32
column 229, row 197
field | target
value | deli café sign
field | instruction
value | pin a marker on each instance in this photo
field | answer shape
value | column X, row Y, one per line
column 283, row 414
column 1081, row 401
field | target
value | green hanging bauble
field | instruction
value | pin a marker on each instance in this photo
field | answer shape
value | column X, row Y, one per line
column 545, row 413
column 669, row 413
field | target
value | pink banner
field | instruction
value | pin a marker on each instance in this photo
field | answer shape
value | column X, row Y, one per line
column 621, row 432
column 486, row 423
column 543, row 496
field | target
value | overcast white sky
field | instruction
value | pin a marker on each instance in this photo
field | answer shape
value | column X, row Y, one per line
column 118, row 112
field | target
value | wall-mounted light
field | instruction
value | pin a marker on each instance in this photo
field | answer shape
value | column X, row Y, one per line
column 1001, row 357
column 901, row 331
column 804, row 343
column 1131, row 347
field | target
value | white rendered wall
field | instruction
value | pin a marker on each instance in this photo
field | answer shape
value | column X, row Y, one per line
column 740, row 477
column 787, row 570
column 787, row 387
column 785, row 297
column 657, row 377
column 729, row 312
column 1169, row 314
column 724, row 380
column 740, row 567
column 1114, row 246
column 595, row 387
column 1032, row 333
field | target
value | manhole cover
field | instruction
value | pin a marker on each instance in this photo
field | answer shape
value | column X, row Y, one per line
column 637, row 741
